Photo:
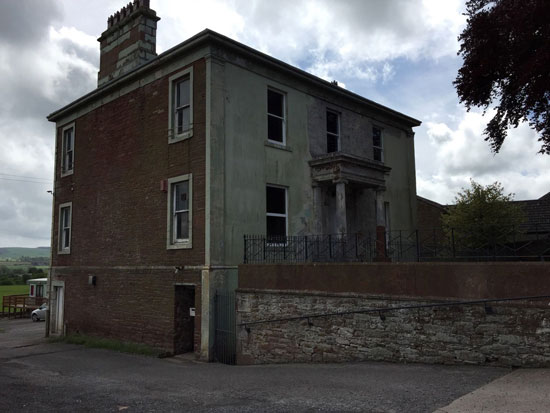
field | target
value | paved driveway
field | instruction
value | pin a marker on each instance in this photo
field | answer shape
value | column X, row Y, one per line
column 58, row 377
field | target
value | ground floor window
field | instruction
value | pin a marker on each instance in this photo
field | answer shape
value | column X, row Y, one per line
column 276, row 211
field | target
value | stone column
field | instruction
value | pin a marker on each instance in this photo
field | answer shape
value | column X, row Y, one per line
column 341, row 219
column 317, row 225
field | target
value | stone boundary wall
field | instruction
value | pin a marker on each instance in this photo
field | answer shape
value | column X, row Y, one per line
column 515, row 334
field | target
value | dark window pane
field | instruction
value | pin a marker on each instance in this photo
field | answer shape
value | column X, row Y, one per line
column 376, row 137
column 276, row 226
column 182, row 225
column 332, row 143
column 66, row 237
column 274, row 128
column 377, row 154
column 275, row 200
column 332, row 122
column 182, row 93
column 181, row 195
column 69, row 162
column 275, row 103
column 66, row 216
column 182, row 120
column 68, row 139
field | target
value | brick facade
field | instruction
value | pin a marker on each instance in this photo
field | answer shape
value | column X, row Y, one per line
column 119, row 218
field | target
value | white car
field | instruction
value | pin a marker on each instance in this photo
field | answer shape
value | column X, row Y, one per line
column 39, row 313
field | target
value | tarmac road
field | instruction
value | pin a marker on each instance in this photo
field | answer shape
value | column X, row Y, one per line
column 39, row 376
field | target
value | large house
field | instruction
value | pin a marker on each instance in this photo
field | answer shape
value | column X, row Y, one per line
column 163, row 168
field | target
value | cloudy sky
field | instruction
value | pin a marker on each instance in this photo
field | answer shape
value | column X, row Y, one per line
column 401, row 53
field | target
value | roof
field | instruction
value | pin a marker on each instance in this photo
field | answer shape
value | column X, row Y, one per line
column 210, row 36
column 430, row 202
column 537, row 214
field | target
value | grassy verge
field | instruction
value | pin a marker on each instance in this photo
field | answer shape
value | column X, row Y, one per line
column 13, row 290
column 120, row 346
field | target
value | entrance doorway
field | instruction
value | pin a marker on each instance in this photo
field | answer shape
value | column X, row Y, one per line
column 184, row 318
column 59, row 307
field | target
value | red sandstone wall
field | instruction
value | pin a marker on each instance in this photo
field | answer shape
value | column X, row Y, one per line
column 438, row 280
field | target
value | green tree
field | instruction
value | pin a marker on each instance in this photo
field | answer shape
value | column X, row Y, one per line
column 482, row 216
column 506, row 52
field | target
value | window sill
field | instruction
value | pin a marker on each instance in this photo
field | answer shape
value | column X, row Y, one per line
column 64, row 252
column 278, row 145
column 181, row 137
column 64, row 174
column 180, row 246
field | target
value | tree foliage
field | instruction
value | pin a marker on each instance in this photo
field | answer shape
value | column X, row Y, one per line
column 482, row 215
column 506, row 52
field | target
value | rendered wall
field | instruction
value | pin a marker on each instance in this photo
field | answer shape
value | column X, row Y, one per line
column 250, row 162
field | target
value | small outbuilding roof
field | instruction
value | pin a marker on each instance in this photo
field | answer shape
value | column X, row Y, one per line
column 38, row 281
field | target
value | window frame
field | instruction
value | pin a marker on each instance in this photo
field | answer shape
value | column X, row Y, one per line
column 283, row 118
column 171, row 242
column 381, row 147
column 173, row 80
column 61, row 249
column 273, row 214
column 338, row 134
column 63, row 150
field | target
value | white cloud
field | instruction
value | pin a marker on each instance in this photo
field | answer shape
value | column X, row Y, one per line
column 462, row 153
column 39, row 79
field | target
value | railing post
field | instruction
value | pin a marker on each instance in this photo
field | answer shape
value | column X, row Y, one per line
column 400, row 255
column 453, row 242
column 265, row 247
column 244, row 258
column 330, row 246
column 305, row 240
column 435, row 244
column 417, row 246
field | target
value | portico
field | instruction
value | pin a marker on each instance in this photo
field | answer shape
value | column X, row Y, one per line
column 347, row 194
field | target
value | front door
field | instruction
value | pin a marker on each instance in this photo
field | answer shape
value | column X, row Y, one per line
column 59, row 299
column 184, row 318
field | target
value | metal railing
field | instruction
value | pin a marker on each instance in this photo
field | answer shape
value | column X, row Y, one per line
column 400, row 246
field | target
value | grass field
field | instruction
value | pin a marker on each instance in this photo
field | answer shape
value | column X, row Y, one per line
column 13, row 290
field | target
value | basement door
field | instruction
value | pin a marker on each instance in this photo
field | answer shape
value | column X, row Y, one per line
column 184, row 318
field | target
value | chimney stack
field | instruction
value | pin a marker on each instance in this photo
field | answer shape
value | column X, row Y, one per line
column 129, row 41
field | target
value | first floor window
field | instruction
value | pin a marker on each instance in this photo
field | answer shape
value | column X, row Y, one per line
column 275, row 116
column 333, row 131
column 179, row 212
column 181, row 106
column 65, row 212
column 378, row 152
column 276, row 211
column 67, row 160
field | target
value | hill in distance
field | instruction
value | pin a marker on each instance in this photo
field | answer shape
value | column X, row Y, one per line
column 16, row 252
